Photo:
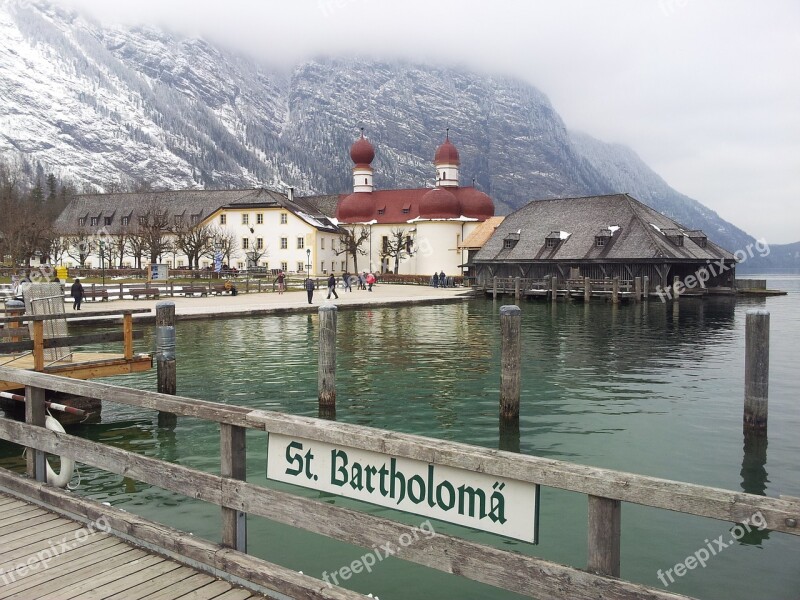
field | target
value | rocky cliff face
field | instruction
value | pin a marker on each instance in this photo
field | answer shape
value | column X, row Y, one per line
column 107, row 107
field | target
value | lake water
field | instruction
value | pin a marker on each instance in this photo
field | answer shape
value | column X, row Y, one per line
column 653, row 389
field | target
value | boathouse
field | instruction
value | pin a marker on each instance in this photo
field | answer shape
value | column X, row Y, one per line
column 602, row 237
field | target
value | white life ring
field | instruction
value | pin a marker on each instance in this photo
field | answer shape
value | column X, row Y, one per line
column 62, row 478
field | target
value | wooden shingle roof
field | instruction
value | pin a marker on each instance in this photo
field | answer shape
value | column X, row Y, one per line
column 637, row 233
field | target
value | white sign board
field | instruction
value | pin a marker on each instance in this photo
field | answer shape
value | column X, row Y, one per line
column 494, row 504
column 159, row 272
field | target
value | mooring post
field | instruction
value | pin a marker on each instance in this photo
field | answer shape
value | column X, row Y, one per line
column 615, row 290
column 326, row 379
column 646, row 287
column 510, row 317
column 233, row 449
column 494, row 288
column 676, row 287
column 605, row 519
column 165, row 356
column 35, row 415
column 516, row 288
column 587, row 289
column 756, row 369
column 637, row 288
column 554, row 288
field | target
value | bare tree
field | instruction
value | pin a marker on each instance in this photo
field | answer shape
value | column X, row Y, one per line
column 350, row 242
column 137, row 244
column 194, row 241
column 79, row 246
column 397, row 245
column 223, row 242
column 154, row 229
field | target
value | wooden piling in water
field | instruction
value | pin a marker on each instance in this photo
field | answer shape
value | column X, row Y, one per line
column 645, row 287
column 756, row 369
column 554, row 288
column 165, row 356
column 326, row 378
column 516, row 288
column 510, row 317
column 676, row 287
column 615, row 290
column 637, row 289
column 494, row 288
column 587, row 289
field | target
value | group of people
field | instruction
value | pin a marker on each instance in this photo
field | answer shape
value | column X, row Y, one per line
column 365, row 281
column 439, row 280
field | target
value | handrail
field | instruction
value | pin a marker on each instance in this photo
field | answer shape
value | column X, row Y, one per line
column 606, row 488
column 73, row 316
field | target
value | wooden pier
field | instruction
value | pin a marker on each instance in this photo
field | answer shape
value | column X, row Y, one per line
column 607, row 492
column 77, row 560
column 29, row 354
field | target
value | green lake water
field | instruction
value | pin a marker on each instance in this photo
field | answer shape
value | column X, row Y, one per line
column 654, row 389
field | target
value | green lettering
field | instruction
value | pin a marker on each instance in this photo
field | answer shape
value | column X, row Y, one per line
column 341, row 469
column 291, row 457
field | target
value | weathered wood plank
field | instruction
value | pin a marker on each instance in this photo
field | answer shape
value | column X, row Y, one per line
column 233, row 465
column 75, row 340
column 682, row 497
column 86, row 555
column 74, row 317
column 211, row 411
column 13, row 516
column 35, row 415
column 186, row 586
column 31, row 544
column 148, row 588
column 30, row 528
column 605, row 528
column 236, row 594
column 14, row 527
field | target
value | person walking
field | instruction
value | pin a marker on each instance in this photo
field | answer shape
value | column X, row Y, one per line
column 370, row 280
column 281, row 281
column 310, row 289
column 332, row 287
column 362, row 281
column 76, row 291
column 346, row 278
column 442, row 280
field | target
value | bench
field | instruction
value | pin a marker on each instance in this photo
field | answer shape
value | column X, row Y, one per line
column 194, row 289
column 94, row 295
column 146, row 292
column 224, row 289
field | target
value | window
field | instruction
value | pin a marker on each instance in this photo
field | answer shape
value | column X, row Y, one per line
column 343, row 266
column 260, row 243
column 366, row 182
column 260, row 219
column 508, row 244
column 322, row 243
column 94, row 221
column 180, row 264
column 178, row 219
column 82, row 221
column 384, row 244
column 143, row 220
column 169, row 264
column 409, row 243
column 284, row 244
column 510, row 240
column 245, row 219
column 245, row 243
column 240, row 265
column 284, row 266
column 322, row 266
column 300, row 267
column 284, row 218
column 301, row 243
column 206, row 264
column 125, row 221
column 406, row 211
column 223, row 219
column 551, row 242
column 600, row 241
column 265, row 264
column 107, row 221
column 381, row 211
column 195, row 219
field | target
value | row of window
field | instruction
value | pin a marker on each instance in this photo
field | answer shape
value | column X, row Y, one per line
column 223, row 219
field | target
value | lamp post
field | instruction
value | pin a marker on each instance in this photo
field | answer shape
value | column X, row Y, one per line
column 308, row 262
column 103, row 260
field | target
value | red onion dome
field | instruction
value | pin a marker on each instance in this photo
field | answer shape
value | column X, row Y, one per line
column 357, row 207
column 439, row 203
column 475, row 204
column 362, row 151
column 446, row 153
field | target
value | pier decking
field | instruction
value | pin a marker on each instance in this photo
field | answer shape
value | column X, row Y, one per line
column 43, row 556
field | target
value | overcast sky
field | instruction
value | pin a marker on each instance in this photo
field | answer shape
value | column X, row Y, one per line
column 707, row 92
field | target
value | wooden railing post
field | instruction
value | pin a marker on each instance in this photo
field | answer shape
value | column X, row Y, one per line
column 604, row 536
column 35, row 415
column 756, row 369
column 326, row 376
column 510, row 365
column 233, row 453
column 38, row 345
column 127, row 332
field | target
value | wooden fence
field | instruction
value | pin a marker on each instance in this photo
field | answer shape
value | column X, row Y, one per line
column 606, row 490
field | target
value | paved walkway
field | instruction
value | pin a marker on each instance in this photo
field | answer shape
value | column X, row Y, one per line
column 292, row 301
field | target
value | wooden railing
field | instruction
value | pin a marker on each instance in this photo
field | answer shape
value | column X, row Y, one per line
column 527, row 575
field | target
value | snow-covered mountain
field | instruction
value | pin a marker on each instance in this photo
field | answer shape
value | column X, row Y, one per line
column 107, row 107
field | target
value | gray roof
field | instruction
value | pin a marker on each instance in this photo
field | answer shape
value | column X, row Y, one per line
column 639, row 235
column 188, row 203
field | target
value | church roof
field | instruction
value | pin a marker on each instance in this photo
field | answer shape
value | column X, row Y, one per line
column 399, row 206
